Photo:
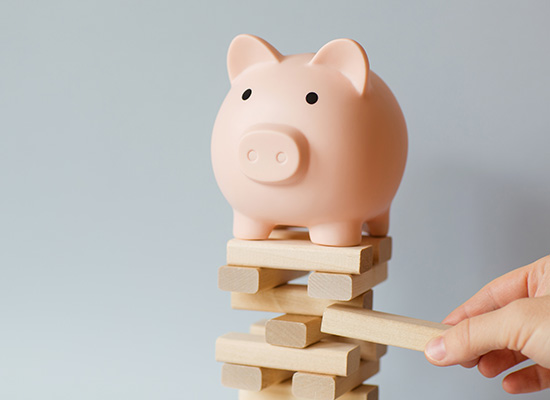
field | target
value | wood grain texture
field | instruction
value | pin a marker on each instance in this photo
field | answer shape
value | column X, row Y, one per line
column 283, row 391
column 325, row 387
column 382, row 246
column 291, row 330
column 368, row 350
column 382, row 249
column 291, row 299
column 344, row 287
column 253, row 279
column 379, row 327
column 292, row 250
column 331, row 358
column 247, row 377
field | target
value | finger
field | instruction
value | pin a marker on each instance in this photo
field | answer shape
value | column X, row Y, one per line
column 494, row 295
column 470, row 364
column 527, row 380
column 498, row 361
column 469, row 339
column 528, row 281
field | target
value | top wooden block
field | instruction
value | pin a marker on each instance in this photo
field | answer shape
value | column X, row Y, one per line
column 287, row 249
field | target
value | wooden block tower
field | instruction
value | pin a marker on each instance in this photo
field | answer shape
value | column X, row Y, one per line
column 289, row 357
column 317, row 141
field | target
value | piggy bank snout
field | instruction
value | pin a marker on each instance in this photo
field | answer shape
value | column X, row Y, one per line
column 272, row 155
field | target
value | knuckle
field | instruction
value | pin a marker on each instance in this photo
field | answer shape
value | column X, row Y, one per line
column 464, row 336
column 517, row 328
column 543, row 268
column 518, row 307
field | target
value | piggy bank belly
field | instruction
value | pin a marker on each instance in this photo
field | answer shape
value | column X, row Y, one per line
column 332, row 199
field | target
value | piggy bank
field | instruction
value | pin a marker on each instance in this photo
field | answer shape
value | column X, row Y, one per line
column 309, row 140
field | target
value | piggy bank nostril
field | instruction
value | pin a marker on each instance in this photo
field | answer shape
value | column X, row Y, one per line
column 252, row 156
column 270, row 155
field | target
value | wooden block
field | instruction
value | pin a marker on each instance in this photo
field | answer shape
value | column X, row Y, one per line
column 258, row 328
column 378, row 327
column 289, row 234
column 325, row 387
column 291, row 330
column 290, row 299
column 331, row 358
column 382, row 249
column 302, row 255
column 283, row 391
column 253, row 279
column 246, row 377
column 368, row 350
column 326, row 285
column 382, row 246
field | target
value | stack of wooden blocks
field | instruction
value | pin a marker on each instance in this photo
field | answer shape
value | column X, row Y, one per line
column 290, row 356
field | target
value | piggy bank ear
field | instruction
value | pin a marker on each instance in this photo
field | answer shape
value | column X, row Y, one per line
column 247, row 50
column 348, row 57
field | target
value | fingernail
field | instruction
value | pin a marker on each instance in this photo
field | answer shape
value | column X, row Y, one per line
column 436, row 349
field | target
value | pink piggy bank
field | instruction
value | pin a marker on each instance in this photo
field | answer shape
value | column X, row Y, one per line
column 311, row 140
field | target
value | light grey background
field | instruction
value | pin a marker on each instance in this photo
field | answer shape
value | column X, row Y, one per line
column 111, row 224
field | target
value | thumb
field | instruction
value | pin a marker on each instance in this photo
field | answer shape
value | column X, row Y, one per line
column 476, row 336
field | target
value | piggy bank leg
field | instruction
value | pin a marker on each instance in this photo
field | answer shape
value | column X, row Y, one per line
column 250, row 229
column 380, row 225
column 336, row 233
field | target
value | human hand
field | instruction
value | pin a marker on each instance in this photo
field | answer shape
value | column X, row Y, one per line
column 505, row 323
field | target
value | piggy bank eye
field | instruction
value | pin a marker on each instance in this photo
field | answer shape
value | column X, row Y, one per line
column 312, row 98
column 246, row 94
